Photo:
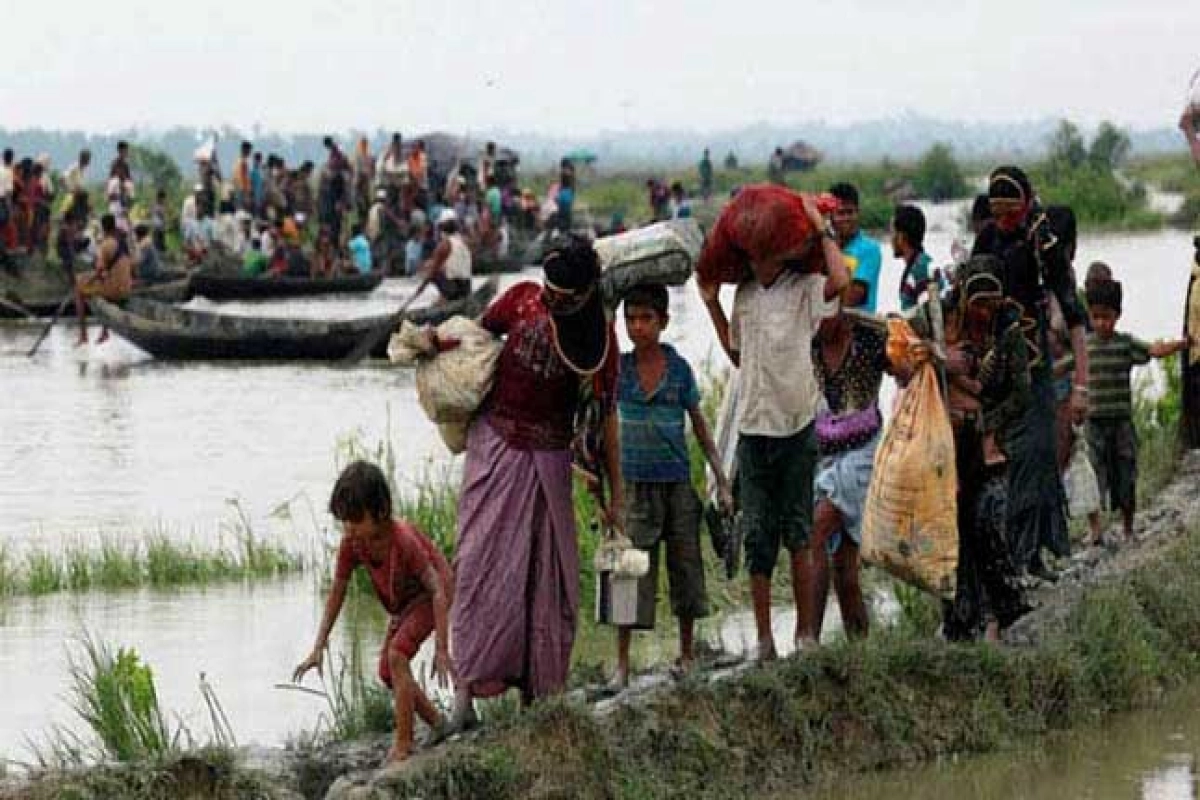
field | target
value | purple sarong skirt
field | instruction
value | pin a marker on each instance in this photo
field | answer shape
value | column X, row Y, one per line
column 516, row 592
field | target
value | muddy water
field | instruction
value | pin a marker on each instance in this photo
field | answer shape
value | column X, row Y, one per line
column 1147, row 756
column 103, row 442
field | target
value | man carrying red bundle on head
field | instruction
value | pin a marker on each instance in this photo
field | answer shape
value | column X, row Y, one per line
column 775, row 245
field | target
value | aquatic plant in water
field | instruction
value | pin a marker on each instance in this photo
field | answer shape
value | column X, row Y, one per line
column 114, row 695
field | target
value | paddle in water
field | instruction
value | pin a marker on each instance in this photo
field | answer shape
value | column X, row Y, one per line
column 46, row 330
column 16, row 308
column 376, row 337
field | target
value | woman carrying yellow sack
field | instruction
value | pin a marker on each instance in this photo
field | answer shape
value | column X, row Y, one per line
column 987, row 390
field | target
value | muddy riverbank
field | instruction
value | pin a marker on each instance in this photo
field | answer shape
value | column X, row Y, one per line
column 1117, row 633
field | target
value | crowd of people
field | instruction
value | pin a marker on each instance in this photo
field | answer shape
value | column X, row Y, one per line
column 354, row 213
column 1021, row 351
column 1024, row 353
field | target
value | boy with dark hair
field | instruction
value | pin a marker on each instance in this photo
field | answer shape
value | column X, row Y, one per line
column 1112, row 441
column 413, row 583
column 862, row 254
column 908, row 244
column 769, row 338
column 655, row 389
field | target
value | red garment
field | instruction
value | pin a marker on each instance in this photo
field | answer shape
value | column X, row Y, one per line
column 404, row 636
column 533, row 400
column 397, row 579
column 762, row 223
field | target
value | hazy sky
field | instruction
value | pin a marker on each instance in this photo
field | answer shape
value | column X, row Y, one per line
column 559, row 66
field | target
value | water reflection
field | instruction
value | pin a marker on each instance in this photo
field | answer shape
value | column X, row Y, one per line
column 1150, row 756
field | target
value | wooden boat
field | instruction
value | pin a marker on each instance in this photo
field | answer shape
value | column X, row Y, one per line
column 38, row 285
column 228, row 287
column 32, row 283
column 171, row 333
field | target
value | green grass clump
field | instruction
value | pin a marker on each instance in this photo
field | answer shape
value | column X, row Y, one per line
column 43, row 573
column 1157, row 418
column 114, row 695
column 160, row 562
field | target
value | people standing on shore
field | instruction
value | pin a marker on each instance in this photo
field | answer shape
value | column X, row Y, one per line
column 987, row 390
column 705, row 170
column 364, row 178
column 863, row 256
column 411, row 580
column 1034, row 263
column 656, row 391
column 242, row 186
column 908, row 244
column 850, row 357
column 769, row 339
column 517, row 561
column 1189, row 124
column 1112, row 441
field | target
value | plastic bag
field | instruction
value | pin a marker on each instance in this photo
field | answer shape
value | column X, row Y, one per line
column 1083, row 489
column 662, row 253
column 910, row 525
column 451, row 385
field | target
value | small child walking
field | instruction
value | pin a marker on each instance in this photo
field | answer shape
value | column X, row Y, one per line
column 411, row 579
column 656, row 391
column 1112, row 441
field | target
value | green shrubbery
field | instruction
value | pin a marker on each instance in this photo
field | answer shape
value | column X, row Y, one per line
column 1084, row 177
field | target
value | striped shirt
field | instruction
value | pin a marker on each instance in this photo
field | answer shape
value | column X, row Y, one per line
column 1109, row 364
column 653, row 427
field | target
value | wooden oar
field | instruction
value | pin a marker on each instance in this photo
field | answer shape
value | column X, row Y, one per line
column 17, row 308
column 46, row 330
column 374, row 338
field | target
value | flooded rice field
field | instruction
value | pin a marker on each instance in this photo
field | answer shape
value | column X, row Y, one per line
column 102, row 443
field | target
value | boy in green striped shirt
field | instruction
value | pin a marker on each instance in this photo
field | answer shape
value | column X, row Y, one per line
column 1112, row 441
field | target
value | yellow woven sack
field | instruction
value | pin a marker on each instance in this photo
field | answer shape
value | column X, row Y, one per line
column 910, row 520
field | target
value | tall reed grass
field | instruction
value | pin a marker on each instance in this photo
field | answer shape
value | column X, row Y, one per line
column 157, row 562
column 114, row 695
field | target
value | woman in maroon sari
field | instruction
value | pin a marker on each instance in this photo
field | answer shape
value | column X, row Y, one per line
column 517, row 564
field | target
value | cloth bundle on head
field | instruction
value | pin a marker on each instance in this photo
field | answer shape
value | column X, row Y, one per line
column 1105, row 293
column 762, row 223
column 572, row 269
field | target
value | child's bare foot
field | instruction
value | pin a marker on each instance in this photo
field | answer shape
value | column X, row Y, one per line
column 682, row 667
column 397, row 755
column 804, row 643
column 82, row 340
column 103, row 337
column 619, row 682
column 992, row 632
column 766, row 651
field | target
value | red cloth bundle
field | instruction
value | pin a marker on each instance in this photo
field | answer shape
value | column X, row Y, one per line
column 763, row 222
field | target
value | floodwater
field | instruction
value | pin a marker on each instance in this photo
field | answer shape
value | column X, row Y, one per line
column 1150, row 755
column 104, row 443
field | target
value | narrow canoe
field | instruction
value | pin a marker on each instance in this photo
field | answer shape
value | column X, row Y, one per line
column 40, row 286
column 171, row 333
column 227, row 287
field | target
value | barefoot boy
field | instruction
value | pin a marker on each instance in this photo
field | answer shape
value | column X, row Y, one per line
column 655, row 390
column 412, row 581
column 1110, row 433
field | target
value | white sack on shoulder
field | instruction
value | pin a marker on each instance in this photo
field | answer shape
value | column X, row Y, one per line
column 452, row 384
